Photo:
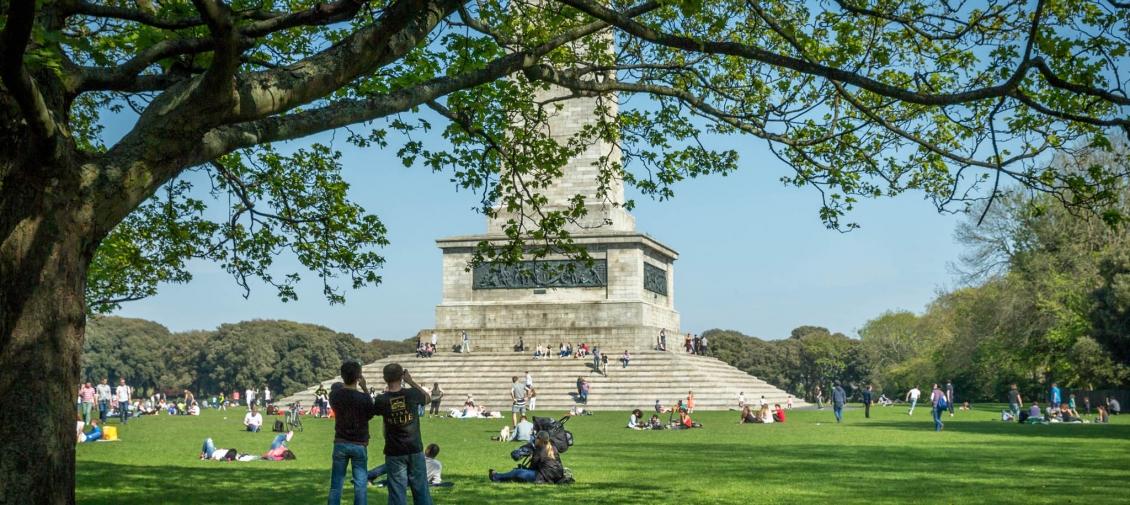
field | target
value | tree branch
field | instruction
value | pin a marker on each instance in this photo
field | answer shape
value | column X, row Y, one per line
column 641, row 31
column 17, row 80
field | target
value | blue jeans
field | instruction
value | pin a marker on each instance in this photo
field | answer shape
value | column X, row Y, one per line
column 913, row 402
column 404, row 472
column 123, row 411
column 516, row 475
column 839, row 411
column 357, row 456
column 1015, row 409
column 254, row 428
column 279, row 440
column 938, row 417
column 208, row 448
column 103, row 410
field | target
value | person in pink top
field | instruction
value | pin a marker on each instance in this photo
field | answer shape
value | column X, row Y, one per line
column 86, row 394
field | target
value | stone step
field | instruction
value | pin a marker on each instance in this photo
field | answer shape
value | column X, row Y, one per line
column 652, row 375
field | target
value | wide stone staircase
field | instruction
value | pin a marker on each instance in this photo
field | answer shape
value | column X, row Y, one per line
column 663, row 376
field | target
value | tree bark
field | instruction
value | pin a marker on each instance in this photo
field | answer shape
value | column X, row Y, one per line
column 45, row 246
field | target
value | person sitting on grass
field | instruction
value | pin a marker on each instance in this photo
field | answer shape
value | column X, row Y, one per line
column 1034, row 413
column 685, row 422
column 545, row 466
column 84, row 436
column 764, row 416
column 636, row 420
column 654, row 423
column 522, row 432
column 1103, row 416
column 253, row 421
column 435, row 468
column 778, row 413
column 747, row 416
column 1066, row 415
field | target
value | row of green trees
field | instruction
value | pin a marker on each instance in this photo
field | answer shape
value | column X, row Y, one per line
column 283, row 355
column 1045, row 297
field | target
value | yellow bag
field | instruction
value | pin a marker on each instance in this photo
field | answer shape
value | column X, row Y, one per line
column 109, row 432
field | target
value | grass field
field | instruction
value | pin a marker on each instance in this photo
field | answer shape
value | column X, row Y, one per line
column 890, row 458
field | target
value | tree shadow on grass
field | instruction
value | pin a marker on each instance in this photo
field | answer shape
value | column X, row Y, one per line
column 276, row 483
column 899, row 473
column 996, row 427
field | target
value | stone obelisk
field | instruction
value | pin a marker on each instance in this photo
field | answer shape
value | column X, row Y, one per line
column 621, row 301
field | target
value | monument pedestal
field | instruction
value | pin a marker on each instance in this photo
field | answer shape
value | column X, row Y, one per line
column 621, row 301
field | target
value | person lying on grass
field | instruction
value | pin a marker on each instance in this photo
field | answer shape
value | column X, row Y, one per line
column 278, row 451
column 435, row 469
column 545, row 466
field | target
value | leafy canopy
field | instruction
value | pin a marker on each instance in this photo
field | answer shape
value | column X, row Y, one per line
column 861, row 98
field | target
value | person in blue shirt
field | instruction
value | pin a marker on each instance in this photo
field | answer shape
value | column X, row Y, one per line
column 1056, row 397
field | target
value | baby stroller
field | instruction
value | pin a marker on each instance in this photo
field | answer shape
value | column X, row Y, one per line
column 561, row 439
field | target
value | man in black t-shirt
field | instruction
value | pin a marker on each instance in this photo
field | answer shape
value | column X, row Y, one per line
column 353, row 408
column 404, row 450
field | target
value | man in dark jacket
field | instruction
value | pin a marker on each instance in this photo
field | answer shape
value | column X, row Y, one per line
column 839, row 398
column 353, row 408
column 867, row 402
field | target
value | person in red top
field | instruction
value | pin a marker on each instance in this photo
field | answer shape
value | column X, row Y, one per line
column 778, row 413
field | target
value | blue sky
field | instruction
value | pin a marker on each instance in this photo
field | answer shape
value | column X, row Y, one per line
column 754, row 255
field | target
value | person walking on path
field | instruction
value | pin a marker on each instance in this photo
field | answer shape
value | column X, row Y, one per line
column 867, row 402
column 912, row 397
column 949, row 397
column 104, row 396
column 86, row 394
column 938, row 405
column 839, row 398
column 1015, row 402
column 353, row 408
column 1055, row 397
column 404, row 449
column 466, row 345
column 123, row 393
column 687, row 343
column 518, row 397
column 249, row 395
column 703, row 346
column 266, row 395
column 819, row 397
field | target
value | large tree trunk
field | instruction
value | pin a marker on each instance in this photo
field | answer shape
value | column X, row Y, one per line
column 45, row 247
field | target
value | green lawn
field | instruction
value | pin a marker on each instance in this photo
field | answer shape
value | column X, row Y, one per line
column 891, row 458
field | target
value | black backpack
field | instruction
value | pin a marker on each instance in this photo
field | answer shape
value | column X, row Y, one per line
column 279, row 426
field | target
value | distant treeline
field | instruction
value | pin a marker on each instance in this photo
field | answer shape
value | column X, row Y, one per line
column 285, row 355
column 1046, row 298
